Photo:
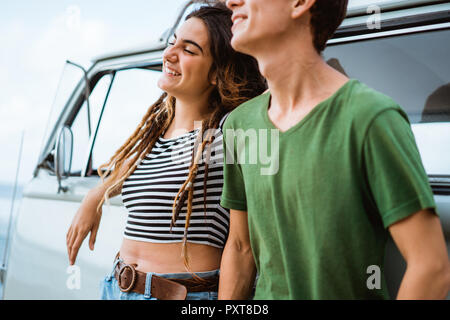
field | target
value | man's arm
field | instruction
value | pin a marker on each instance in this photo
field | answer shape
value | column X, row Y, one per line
column 237, row 269
column 420, row 240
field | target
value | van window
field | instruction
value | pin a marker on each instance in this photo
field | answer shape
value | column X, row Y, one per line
column 414, row 70
column 82, row 128
column 71, row 77
column 132, row 93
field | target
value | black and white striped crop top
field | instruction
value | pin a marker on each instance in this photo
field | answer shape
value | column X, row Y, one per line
column 149, row 192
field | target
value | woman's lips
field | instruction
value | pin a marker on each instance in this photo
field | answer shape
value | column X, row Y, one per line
column 171, row 71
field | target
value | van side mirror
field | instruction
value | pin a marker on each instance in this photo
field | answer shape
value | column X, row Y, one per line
column 63, row 156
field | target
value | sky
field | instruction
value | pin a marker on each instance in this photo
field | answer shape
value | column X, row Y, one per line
column 37, row 37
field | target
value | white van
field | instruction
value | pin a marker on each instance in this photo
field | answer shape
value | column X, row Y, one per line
column 400, row 48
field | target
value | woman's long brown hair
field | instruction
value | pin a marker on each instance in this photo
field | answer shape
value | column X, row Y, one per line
column 238, row 80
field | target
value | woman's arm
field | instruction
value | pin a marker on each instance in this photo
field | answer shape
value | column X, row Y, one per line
column 87, row 219
column 237, row 269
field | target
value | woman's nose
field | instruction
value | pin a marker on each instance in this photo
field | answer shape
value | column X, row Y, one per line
column 170, row 54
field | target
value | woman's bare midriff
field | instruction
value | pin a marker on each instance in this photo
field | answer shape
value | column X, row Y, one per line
column 166, row 257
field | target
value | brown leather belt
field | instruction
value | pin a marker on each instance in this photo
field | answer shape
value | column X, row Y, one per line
column 129, row 279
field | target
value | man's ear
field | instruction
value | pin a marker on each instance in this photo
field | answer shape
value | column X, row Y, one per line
column 299, row 7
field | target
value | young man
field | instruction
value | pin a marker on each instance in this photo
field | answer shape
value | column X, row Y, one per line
column 344, row 172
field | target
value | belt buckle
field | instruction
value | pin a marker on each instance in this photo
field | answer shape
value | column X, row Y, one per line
column 133, row 277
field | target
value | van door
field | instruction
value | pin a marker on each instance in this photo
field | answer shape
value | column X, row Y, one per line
column 38, row 266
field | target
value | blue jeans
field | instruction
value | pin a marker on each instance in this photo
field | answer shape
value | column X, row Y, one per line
column 109, row 287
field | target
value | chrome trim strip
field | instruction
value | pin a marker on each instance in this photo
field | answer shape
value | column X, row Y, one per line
column 390, row 33
column 361, row 10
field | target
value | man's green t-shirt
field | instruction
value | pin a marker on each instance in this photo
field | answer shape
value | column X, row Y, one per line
column 321, row 195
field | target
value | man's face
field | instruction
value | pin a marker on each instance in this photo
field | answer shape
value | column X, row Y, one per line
column 257, row 21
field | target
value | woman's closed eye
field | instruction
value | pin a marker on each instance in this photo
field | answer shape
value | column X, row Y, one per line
column 187, row 50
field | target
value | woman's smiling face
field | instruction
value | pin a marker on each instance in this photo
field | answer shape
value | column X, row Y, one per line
column 187, row 62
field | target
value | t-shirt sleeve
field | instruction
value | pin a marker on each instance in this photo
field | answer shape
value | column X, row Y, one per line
column 233, row 193
column 395, row 173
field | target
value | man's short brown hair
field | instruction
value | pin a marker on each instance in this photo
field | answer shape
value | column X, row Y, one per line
column 326, row 16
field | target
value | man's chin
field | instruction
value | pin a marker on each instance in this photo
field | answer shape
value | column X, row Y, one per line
column 239, row 44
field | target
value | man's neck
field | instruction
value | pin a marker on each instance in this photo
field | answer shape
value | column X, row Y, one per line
column 297, row 75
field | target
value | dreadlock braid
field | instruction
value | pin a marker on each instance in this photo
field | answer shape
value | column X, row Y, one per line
column 187, row 189
column 156, row 120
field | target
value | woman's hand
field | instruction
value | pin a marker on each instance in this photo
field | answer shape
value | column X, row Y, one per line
column 86, row 220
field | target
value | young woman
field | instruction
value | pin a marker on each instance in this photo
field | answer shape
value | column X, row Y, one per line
column 169, row 171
